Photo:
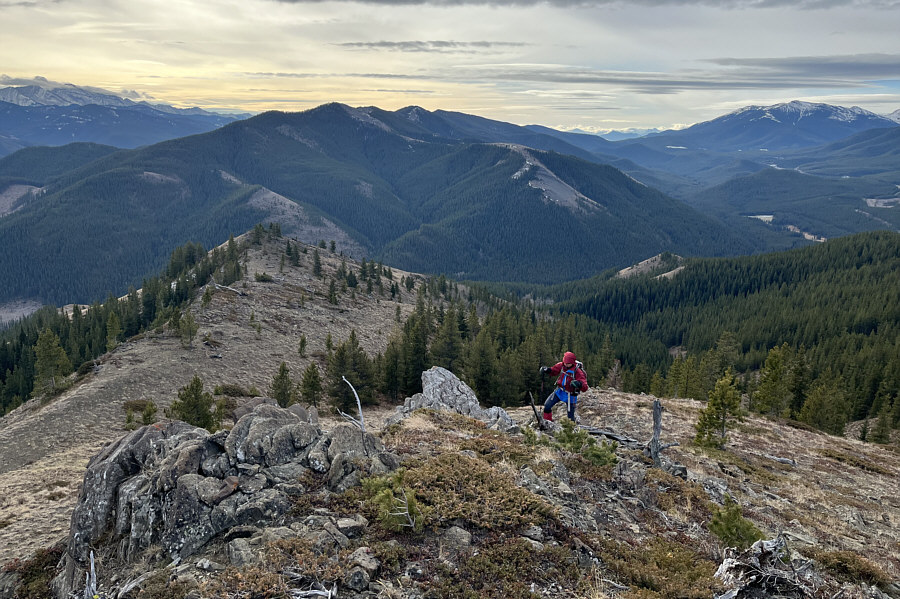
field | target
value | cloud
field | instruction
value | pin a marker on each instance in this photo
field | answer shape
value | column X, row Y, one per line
column 440, row 46
column 851, row 66
column 722, row 4
column 584, row 83
column 260, row 75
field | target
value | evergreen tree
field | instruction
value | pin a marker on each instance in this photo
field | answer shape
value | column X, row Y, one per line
column 317, row 264
column 282, row 387
column 349, row 360
column 723, row 406
column 195, row 406
column 481, row 367
column 332, row 293
column 301, row 349
column 657, row 385
column 51, row 363
column 148, row 415
column 389, row 370
column 447, row 346
column 311, row 385
column 188, row 327
column 113, row 330
column 774, row 394
column 881, row 433
column 827, row 406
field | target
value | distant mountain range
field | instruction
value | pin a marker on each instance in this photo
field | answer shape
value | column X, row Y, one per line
column 381, row 183
column 447, row 192
column 36, row 115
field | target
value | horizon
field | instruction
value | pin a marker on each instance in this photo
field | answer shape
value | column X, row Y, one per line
column 594, row 65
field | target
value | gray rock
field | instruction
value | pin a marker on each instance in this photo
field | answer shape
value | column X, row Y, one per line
column 534, row 532
column 352, row 527
column 213, row 490
column 365, row 559
column 442, row 390
column 456, row 539
column 299, row 411
column 253, row 484
column 252, row 436
column 209, row 565
column 8, row 583
column 357, row 579
column 175, row 486
column 278, row 533
column 250, row 405
column 285, row 473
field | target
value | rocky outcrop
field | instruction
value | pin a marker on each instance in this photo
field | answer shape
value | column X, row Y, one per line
column 178, row 486
column 442, row 390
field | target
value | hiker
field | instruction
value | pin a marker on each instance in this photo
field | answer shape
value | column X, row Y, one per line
column 570, row 382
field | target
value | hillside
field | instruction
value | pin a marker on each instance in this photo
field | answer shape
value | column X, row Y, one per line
column 577, row 529
column 248, row 336
column 387, row 189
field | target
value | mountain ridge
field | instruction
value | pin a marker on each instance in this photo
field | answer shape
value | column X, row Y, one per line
column 827, row 497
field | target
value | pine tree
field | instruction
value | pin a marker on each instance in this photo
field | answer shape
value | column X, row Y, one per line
column 481, row 366
column 51, row 363
column 282, row 387
column 827, row 406
column 195, row 406
column 301, row 349
column 774, row 395
column 317, row 264
column 113, row 330
column 447, row 346
column 311, row 385
column 881, row 433
column 188, row 328
column 722, row 407
column 349, row 360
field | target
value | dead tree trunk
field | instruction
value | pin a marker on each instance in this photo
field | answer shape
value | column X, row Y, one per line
column 653, row 448
column 657, row 430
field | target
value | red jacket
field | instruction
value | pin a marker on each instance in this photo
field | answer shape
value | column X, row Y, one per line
column 566, row 377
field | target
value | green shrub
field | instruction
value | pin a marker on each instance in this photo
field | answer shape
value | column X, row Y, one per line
column 850, row 567
column 36, row 573
column 660, row 569
column 394, row 503
column 451, row 487
column 263, row 277
column 506, row 570
column 581, row 442
column 231, row 390
column 732, row 528
column 148, row 415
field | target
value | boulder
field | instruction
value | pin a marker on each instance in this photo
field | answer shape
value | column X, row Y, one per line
column 177, row 486
column 442, row 390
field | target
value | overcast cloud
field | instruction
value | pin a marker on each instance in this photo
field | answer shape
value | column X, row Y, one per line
column 595, row 65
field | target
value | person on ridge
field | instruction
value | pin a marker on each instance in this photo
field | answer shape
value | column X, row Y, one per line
column 570, row 382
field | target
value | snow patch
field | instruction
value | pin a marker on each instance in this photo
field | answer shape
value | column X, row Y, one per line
column 152, row 177
column 230, row 178
column 554, row 189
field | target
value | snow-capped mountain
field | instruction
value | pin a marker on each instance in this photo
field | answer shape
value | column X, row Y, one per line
column 895, row 116
column 37, row 95
column 45, row 113
column 778, row 127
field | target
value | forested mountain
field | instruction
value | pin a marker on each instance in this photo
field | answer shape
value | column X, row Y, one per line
column 830, row 207
column 835, row 305
column 818, row 139
column 121, row 126
column 39, row 164
column 388, row 186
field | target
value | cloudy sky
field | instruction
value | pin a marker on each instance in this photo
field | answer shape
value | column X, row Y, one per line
column 595, row 64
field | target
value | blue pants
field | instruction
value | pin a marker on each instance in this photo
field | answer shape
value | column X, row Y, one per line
column 560, row 396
